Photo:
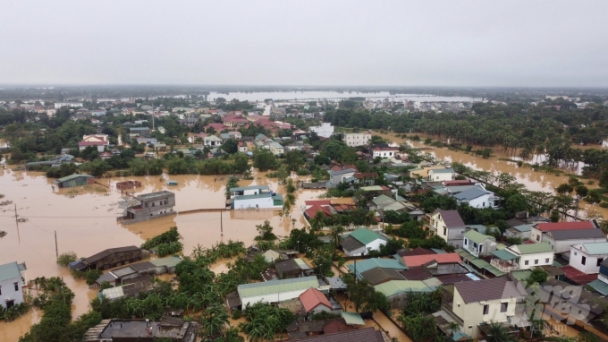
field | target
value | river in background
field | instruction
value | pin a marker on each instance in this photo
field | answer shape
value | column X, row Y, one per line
column 85, row 221
column 335, row 95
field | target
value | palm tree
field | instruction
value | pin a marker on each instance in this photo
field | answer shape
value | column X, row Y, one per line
column 213, row 320
column 454, row 328
column 498, row 333
column 336, row 232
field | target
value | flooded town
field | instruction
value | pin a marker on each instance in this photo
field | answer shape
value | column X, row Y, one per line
column 303, row 171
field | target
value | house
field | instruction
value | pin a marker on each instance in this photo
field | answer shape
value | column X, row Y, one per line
column 361, row 266
column 147, row 141
column 140, row 330
column 482, row 302
column 449, row 226
column 234, row 121
column 243, row 147
column 357, row 139
column 538, row 230
column 275, row 291
column 141, row 131
column 441, row 175
column 189, row 122
column 587, row 257
column 149, row 206
column 249, row 190
column 236, row 135
column 384, row 151
column 12, row 280
column 269, row 200
column 74, row 180
column 100, row 141
column 522, row 231
column 212, row 141
column 361, row 241
column 429, row 259
column 396, row 291
column 276, row 148
column 358, row 335
column 108, row 258
column 314, row 301
column 337, row 177
column 522, row 257
column 379, row 275
column 120, row 275
column 292, row 268
column 561, row 240
column 323, row 131
column 478, row 244
column 477, row 197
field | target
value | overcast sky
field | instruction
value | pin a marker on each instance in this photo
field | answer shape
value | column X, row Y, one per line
column 408, row 43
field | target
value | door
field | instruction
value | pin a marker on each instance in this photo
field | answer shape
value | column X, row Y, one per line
column 10, row 303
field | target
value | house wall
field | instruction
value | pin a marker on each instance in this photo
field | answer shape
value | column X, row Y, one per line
column 563, row 246
column 383, row 154
column 456, row 236
column 487, row 247
column 543, row 259
column 356, row 139
column 480, row 202
column 357, row 252
column 7, row 288
column 271, row 298
column 472, row 313
column 374, row 245
column 320, row 308
column 536, row 235
column 432, row 176
column 518, row 234
column 591, row 265
column 337, row 179
column 261, row 203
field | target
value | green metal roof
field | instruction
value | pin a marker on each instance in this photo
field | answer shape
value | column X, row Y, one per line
column 599, row 286
column 477, row 237
column 504, row 255
column 495, row 271
column 366, row 265
column 352, row 318
column 596, row 248
column 70, row 177
column 521, row 275
column 9, row 271
column 248, row 197
column 524, row 228
column 534, row 248
column 465, row 254
column 169, row 261
column 365, row 236
column 276, row 286
column 480, row 263
column 383, row 200
column 393, row 287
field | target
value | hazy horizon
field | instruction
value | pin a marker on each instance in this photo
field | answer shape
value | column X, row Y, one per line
column 434, row 44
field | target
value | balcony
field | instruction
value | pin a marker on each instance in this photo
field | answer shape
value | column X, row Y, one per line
column 504, row 266
column 473, row 251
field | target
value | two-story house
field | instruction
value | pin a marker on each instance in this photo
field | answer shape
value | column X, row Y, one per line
column 539, row 230
column 448, row 225
column 478, row 244
column 357, row 139
column 522, row 257
column 385, row 151
column 587, row 257
column 212, row 141
column 481, row 302
column 150, row 206
column 12, row 277
column 561, row 240
column 361, row 242
column 440, row 175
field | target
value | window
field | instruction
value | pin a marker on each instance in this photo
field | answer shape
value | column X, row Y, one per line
column 584, row 260
column 535, row 261
column 486, row 309
column 527, row 262
column 474, row 245
column 466, row 242
column 16, row 286
column 599, row 261
column 537, row 237
column 445, row 231
column 0, row 290
column 547, row 261
column 504, row 307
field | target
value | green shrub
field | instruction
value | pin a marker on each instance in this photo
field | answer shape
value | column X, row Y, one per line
column 65, row 259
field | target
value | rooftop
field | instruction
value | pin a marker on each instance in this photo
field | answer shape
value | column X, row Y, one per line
column 368, row 264
column 489, row 289
column 70, row 177
column 105, row 253
column 366, row 236
column 470, row 194
column 251, row 187
column 393, row 287
column 359, row 335
column 576, row 234
column 442, row 171
column 312, row 298
column 451, row 218
column 155, row 194
column 477, row 237
column 275, row 286
column 553, row 226
column 10, row 271
column 532, row 248
column 419, row 260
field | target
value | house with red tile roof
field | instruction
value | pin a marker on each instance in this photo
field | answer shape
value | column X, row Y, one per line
column 98, row 140
column 234, row 121
column 314, row 301
column 419, row 260
column 539, row 230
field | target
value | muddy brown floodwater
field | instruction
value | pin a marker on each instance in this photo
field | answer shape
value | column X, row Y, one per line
column 85, row 221
column 532, row 180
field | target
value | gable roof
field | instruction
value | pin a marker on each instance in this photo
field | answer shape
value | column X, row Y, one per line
column 312, row 298
column 349, row 243
column 9, row 271
column 419, row 260
column 358, row 335
column 470, row 194
column 596, row 248
column 553, row 226
column 380, row 275
column 477, row 237
column 436, row 171
column 451, row 218
column 575, row 234
column 488, row 289
column 272, row 287
column 96, row 257
column 532, row 248
column 415, row 251
column 393, row 287
column 368, row 264
column 366, row 236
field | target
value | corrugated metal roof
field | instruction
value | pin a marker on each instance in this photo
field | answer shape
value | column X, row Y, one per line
column 352, row 318
column 553, row 226
column 393, row 287
column 596, row 248
column 368, row 264
column 9, row 271
column 419, row 260
column 70, row 177
column 532, row 248
column 477, row 237
column 276, row 286
column 504, row 255
column 252, row 187
column 575, row 234
column 451, row 218
column 171, row 261
column 366, row 236
column 488, row 289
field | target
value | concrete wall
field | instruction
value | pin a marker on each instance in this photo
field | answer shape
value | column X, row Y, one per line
column 7, row 288
column 357, row 139
column 563, row 246
column 536, row 259
column 255, row 203
column 481, row 202
column 536, row 235
column 375, row 245
column 591, row 265
column 472, row 313
column 432, row 176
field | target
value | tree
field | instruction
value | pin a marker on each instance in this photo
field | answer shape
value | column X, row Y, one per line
column 322, row 261
column 604, row 178
column 538, row 276
column 363, row 295
column 265, row 232
column 264, row 160
column 498, row 333
column 581, row 190
column 213, row 320
column 564, row 189
column 231, row 146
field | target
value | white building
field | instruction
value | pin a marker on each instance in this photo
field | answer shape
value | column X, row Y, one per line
column 11, row 284
column 275, row 291
column 357, row 139
column 385, row 152
column 249, row 190
column 477, row 197
column 440, row 175
column 486, row 301
column 212, row 141
column 68, row 104
column 449, row 226
column 561, row 240
column 361, row 242
column 478, row 244
column 587, row 257
column 100, row 141
column 261, row 201
column 323, row 131
column 523, row 257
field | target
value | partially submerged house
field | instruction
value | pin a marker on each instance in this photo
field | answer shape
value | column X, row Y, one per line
column 140, row 330
column 74, row 180
column 109, row 258
column 396, row 291
column 149, row 206
column 275, row 291
column 12, row 280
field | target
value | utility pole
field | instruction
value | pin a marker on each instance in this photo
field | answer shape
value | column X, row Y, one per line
column 17, row 223
column 56, row 248
column 222, row 222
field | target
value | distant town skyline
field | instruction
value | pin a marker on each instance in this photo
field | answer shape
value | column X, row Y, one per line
column 314, row 43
